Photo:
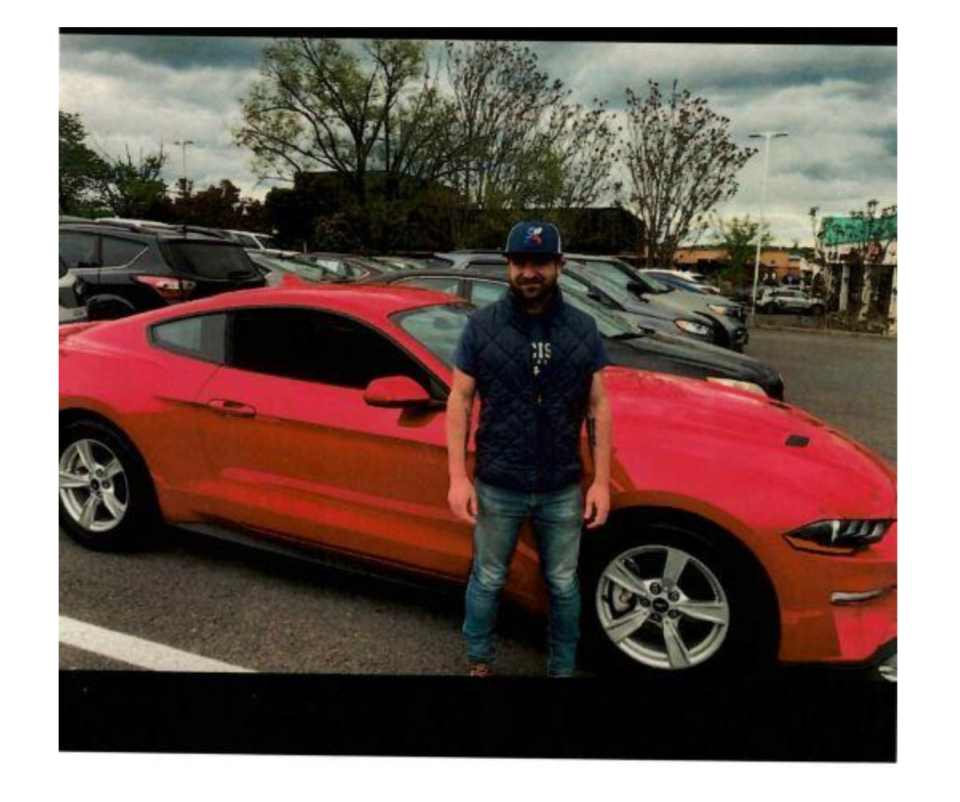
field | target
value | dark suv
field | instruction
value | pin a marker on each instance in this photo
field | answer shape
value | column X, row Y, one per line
column 131, row 267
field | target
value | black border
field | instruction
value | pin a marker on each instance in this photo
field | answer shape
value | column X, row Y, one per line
column 880, row 37
column 782, row 717
column 787, row 715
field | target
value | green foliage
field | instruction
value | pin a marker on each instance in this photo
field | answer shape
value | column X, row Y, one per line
column 520, row 142
column 132, row 188
column 80, row 167
column 738, row 238
column 682, row 162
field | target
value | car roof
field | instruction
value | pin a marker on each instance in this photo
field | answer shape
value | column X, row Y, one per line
column 145, row 230
column 366, row 301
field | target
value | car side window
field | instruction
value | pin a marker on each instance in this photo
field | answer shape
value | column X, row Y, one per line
column 449, row 285
column 78, row 249
column 247, row 241
column 486, row 292
column 116, row 252
column 314, row 346
column 201, row 336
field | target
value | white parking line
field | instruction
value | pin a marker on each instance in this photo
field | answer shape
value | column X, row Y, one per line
column 136, row 651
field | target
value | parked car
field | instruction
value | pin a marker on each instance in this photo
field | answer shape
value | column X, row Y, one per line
column 680, row 280
column 133, row 267
column 627, row 346
column 784, row 299
column 742, row 530
column 255, row 242
column 639, row 313
column 348, row 266
column 618, row 276
column 73, row 306
column 284, row 270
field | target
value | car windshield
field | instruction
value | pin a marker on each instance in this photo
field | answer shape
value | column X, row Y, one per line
column 620, row 275
column 267, row 242
column 217, row 260
column 437, row 328
column 609, row 325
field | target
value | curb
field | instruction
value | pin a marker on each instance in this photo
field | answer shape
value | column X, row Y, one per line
column 812, row 330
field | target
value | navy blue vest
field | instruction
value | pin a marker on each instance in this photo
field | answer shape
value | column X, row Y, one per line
column 529, row 434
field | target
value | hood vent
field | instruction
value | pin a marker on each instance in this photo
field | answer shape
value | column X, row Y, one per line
column 797, row 441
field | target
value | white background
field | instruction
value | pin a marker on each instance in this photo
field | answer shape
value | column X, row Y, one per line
column 927, row 449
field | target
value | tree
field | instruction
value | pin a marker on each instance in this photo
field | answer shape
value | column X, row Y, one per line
column 520, row 142
column 320, row 105
column 80, row 166
column 129, row 188
column 738, row 238
column 681, row 162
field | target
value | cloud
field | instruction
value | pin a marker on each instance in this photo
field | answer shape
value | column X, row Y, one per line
column 176, row 52
column 839, row 105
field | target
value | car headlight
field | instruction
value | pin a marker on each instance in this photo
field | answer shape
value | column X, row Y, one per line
column 723, row 310
column 692, row 327
column 750, row 387
column 838, row 537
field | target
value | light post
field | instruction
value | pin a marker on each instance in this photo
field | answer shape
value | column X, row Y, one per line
column 183, row 147
column 766, row 136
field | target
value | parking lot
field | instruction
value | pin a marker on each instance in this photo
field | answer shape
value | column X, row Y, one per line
column 267, row 613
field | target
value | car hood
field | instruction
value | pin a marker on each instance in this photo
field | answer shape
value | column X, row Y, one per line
column 694, row 359
column 691, row 301
column 683, row 435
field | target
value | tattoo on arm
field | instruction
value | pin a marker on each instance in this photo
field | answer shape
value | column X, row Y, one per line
column 592, row 433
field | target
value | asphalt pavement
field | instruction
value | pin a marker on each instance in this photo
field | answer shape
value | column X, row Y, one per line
column 849, row 381
column 272, row 614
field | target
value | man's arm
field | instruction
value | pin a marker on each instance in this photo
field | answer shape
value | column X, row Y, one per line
column 599, row 432
column 462, row 496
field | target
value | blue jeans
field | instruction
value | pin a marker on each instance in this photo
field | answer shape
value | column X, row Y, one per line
column 557, row 522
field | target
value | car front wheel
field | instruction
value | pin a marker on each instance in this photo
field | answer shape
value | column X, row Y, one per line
column 105, row 492
column 671, row 600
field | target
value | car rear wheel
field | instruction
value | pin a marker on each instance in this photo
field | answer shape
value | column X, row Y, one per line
column 662, row 598
column 106, row 499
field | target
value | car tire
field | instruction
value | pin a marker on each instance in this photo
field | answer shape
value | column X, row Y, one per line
column 107, row 499
column 664, row 630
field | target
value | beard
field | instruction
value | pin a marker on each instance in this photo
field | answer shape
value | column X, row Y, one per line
column 531, row 292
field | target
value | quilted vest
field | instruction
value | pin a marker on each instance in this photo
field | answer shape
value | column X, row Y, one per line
column 528, row 439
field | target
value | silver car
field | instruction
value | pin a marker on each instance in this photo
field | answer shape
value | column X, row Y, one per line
column 784, row 299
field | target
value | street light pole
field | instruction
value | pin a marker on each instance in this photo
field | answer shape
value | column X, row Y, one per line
column 183, row 147
column 766, row 136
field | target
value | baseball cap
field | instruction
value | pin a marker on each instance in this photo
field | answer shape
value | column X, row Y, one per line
column 534, row 237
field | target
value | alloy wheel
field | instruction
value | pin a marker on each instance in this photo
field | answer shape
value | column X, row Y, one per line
column 94, row 489
column 663, row 607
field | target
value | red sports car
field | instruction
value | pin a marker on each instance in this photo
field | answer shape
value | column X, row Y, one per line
column 313, row 418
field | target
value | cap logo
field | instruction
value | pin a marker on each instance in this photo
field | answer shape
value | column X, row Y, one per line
column 534, row 236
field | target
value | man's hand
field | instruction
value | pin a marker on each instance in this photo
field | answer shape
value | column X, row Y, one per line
column 596, row 507
column 463, row 500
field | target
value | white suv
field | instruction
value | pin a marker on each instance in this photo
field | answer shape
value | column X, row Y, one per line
column 254, row 242
column 783, row 299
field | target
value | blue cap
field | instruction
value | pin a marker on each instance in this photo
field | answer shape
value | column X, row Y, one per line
column 534, row 237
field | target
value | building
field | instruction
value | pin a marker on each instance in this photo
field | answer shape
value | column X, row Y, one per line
column 860, row 265
column 783, row 265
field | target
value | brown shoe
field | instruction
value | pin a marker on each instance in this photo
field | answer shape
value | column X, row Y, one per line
column 480, row 670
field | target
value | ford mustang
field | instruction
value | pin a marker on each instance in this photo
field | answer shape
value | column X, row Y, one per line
column 743, row 531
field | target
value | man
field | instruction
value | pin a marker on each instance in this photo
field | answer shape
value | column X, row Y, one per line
column 537, row 366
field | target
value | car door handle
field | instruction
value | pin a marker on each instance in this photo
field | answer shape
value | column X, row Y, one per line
column 234, row 408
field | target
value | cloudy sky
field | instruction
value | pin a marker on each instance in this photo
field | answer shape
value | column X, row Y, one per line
column 839, row 105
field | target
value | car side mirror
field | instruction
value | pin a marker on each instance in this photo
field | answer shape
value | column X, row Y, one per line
column 399, row 392
column 636, row 288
